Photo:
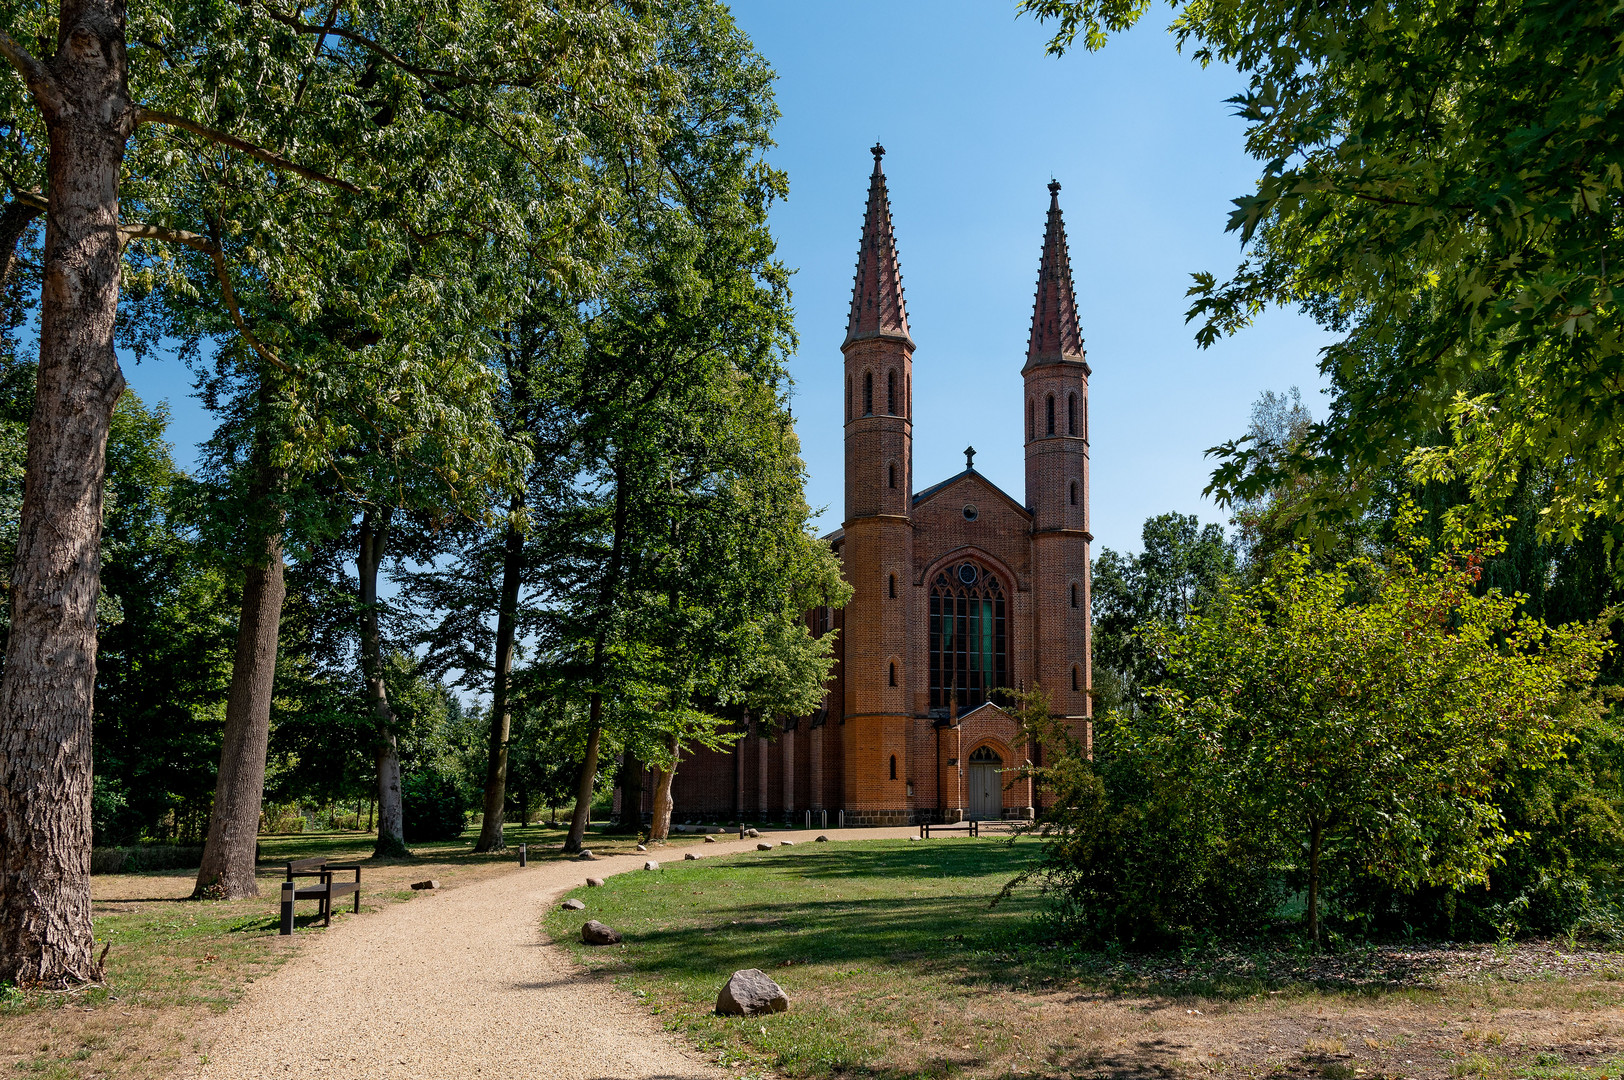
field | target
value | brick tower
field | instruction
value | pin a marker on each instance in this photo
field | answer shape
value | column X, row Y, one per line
column 877, row 550
column 1056, row 425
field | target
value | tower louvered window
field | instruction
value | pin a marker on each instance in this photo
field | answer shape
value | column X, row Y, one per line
column 1071, row 414
column 891, row 392
column 868, row 393
column 968, row 637
column 1050, row 404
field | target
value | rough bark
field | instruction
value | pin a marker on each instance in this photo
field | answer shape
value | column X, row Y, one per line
column 660, row 827
column 373, row 542
column 14, row 221
column 50, row 665
column 227, row 871
column 507, row 613
column 606, row 596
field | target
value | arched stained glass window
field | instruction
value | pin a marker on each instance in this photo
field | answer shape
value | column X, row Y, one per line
column 968, row 638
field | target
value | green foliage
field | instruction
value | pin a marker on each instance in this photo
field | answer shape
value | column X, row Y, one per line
column 1182, row 563
column 1369, row 713
column 434, row 804
column 1137, row 851
column 1441, row 186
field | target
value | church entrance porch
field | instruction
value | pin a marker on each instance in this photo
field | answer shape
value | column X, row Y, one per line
column 986, row 784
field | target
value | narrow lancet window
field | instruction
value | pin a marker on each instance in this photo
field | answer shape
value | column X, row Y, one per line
column 1071, row 414
column 1050, row 405
column 891, row 392
column 868, row 393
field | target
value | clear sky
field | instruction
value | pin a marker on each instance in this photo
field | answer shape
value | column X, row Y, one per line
column 976, row 120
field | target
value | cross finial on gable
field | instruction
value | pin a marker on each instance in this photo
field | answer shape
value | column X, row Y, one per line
column 969, row 458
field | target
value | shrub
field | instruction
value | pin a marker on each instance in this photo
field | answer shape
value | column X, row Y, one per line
column 145, row 858
column 434, row 806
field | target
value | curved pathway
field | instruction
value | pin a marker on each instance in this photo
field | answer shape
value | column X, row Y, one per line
column 460, row 984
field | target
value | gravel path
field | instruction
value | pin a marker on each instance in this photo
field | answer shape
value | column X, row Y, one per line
column 459, row 985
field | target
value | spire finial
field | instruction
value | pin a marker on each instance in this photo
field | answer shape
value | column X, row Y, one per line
column 877, row 150
column 1056, row 335
column 877, row 308
column 969, row 458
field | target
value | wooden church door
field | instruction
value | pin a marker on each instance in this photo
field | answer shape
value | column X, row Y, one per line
column 986, row 785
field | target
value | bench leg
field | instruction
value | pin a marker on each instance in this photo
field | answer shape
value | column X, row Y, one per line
column 287, row 908
column 327, row 910
column 358, row 901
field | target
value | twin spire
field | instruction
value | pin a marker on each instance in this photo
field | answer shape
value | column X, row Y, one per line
column 877, row 308
column 1055, row 335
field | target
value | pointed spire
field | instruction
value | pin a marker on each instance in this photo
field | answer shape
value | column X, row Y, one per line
column 877, row 309
column 1055, row 332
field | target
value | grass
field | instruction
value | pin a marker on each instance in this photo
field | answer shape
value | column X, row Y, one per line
column 175, row 964
column 896, row 966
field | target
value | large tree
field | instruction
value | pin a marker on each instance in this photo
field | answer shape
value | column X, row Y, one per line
column 353, row 92
column 1441, row 185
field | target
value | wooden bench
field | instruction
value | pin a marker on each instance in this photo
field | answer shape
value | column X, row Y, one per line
column 975, row 828
column 324, row 890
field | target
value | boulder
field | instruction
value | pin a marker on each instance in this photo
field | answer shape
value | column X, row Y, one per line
column 651, row 865
column 749, row 992
column 710, row 839
column 689, row 857
column 641, row 847
column 764, row 846
column 821, row 840
column 595, row 933
column 573, row 904
column 594, row 882
column 586, row 855
column 787, row 843
column 752, row 833
column 432, row 883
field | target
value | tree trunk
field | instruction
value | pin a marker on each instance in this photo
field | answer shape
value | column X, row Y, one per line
column 660, row 827
column 507, row 614
column 606, row 597
column 631, row 793
column 14, row 221
column 374, row 539
column 1315, row 843
column 227, row 871
column 47, row 689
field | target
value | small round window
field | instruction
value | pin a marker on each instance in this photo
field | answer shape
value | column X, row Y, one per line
column 970, row 512
column 968, row 573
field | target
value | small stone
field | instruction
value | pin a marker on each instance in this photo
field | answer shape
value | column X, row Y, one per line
column 821, row 840
column 914, row 838
column 764, row 846
column 710, row 839
column 752, row 833
column 787, row 843
column 749, row 992
column 651, row 865
column 586, row 855
column 594, row 882
column 595, row 933
column 429, row 884
column 690, row 857
column 640, row 847
column 573, row 904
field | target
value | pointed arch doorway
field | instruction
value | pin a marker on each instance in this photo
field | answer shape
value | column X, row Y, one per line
column 986, row 785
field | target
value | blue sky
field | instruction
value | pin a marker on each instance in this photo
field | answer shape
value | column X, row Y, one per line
column 976, row 120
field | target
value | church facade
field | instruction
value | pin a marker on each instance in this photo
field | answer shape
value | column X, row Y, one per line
column 960, row 589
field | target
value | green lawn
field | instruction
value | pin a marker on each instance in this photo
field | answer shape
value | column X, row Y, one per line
column 879, row 944
column 897, row 965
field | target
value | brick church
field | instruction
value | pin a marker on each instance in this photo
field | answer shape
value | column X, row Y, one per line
column 960, row 588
